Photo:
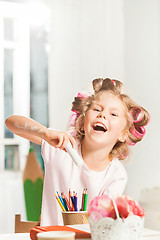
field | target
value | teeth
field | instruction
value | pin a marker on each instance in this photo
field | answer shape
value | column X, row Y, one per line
column 99, row 126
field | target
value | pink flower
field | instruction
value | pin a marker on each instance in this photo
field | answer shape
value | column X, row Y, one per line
column 122, row 206
column 102, row 206
column 135, row 208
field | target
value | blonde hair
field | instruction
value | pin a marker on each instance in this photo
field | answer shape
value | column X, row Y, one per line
column 80, row 105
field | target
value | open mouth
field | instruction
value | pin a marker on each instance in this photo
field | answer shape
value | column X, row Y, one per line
column 99, row 127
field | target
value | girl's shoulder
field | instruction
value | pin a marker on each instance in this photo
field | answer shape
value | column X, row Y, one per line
column 118, row 167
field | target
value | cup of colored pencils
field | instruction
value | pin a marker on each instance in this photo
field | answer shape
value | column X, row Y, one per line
column 70, row 212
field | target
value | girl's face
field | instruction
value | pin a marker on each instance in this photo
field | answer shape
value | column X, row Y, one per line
column 105, row 121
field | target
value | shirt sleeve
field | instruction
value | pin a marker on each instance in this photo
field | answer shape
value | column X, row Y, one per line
column 48, row 152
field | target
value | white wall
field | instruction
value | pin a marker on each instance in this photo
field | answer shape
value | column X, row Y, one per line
column 87, row 39
column 142, row 76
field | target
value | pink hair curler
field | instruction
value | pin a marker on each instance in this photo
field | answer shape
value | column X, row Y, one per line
column 72, row 119
column 75, row 114
column 113, row 82
column 137, row 114
column 129, row 142
column 82, row 95
column 138, row 132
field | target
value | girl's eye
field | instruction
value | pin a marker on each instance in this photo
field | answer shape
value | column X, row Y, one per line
column 96, row 109
column 114, row 114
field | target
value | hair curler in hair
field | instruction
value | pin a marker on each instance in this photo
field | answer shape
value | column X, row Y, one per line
column 82, row 95
column 113, row 82
column 75, row 113
column 73, row 118
column 136, row 114
column 138, row 131
column 129, row 142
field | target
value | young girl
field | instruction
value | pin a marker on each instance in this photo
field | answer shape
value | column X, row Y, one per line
column 105, row 124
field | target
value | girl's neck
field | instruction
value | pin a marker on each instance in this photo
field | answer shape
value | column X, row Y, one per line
column 96, row 159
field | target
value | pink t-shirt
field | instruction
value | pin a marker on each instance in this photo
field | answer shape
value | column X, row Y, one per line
column 61, row 173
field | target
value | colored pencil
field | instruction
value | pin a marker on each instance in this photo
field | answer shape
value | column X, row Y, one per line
column 75, row 202
column 85, row 201
column 72, row 200
column 71, row 205
column 60, row 198
column 82, row 204
column 68, row 205
column 74, row 194
column 64, row 201
column 69, row 196
column 60, row 203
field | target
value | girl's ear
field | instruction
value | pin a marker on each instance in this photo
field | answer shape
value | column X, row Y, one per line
column 123, row 136
column 81, row 130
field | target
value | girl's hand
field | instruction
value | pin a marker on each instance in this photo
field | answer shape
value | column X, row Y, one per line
column 58, row 139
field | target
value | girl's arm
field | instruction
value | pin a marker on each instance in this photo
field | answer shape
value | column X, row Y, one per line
column 35, row 132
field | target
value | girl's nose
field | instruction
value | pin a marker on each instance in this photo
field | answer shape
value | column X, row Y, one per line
column 101, row 115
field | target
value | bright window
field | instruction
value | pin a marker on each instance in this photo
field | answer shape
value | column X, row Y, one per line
column 24, row 75
column 14, row 81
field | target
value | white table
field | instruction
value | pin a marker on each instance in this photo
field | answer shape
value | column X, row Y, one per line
column 147, row 235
